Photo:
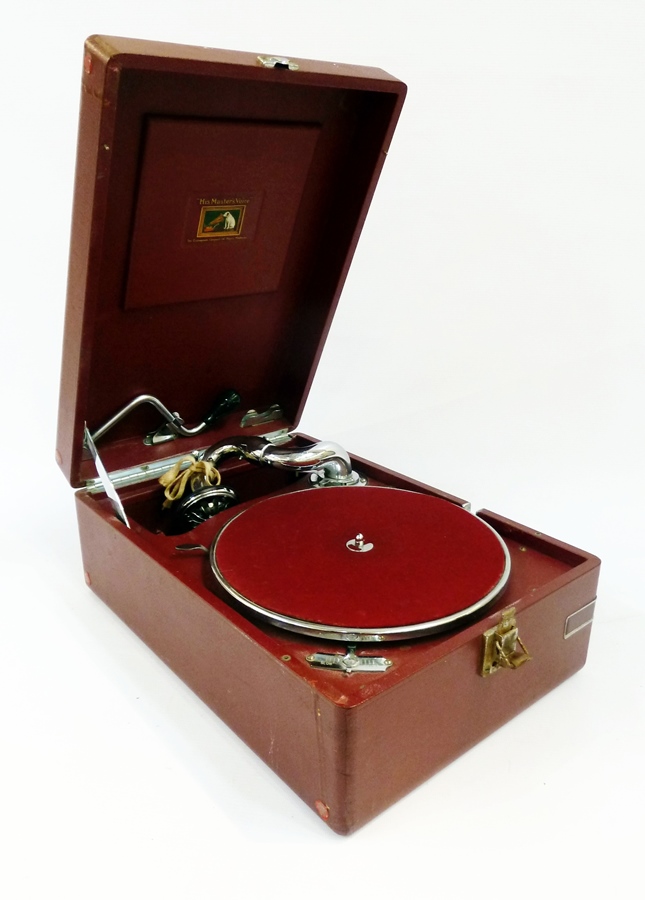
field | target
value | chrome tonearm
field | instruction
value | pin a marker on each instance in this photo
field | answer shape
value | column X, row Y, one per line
column 327, row 464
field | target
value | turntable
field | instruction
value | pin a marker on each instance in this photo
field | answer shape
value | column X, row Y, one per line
column 357, row 628
column 427, row 566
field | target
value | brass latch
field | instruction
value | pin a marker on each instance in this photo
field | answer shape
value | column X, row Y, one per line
column 503, row 646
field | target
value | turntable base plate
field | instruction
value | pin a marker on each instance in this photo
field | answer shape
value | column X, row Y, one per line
column 298, row 558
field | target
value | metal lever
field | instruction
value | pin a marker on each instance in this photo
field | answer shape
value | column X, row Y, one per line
column 349, row 662
column 225, row 402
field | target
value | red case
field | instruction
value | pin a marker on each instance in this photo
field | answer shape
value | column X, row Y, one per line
column 158, row 304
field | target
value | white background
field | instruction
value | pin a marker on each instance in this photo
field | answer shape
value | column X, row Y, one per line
column 489, row 342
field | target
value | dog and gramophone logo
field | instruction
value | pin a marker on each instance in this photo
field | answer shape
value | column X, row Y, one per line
column 221, row 218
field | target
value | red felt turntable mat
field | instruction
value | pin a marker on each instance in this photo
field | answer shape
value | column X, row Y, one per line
column 430, row 559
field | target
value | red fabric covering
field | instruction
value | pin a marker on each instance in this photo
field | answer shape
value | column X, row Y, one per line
column 430, row 559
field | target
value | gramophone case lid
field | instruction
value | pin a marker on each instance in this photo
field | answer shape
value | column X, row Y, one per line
column 218, row 202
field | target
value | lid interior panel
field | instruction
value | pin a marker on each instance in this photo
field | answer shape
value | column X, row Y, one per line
column 225, row 214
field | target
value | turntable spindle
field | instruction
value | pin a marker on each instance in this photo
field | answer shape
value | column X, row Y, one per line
column 359, row 545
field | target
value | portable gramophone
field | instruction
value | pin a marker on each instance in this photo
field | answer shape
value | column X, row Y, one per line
column 356, row 628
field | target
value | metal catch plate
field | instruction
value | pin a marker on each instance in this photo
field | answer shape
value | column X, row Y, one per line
column 278, row 62
column 503, row 646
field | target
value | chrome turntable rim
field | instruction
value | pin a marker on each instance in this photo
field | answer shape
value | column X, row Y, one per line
column 274, row 607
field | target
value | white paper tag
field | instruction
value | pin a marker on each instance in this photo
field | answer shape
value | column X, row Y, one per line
column 108, row 487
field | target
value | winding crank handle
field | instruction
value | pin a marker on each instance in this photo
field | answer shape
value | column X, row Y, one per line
column 225, row 402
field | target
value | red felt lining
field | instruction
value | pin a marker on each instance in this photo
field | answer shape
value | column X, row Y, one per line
column 190, row 164
column 431, row 559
